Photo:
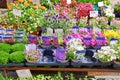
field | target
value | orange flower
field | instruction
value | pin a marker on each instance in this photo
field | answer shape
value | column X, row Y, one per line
column 9, row 7
column 30, row 1
column 25, row 4
column 5, row 16
column 21, row 1
column 42, row 7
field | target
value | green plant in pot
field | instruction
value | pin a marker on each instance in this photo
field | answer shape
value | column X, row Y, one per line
column 71, row 55
column 17, row 57
column 117, row 49
column 5, row 47
column 18, row 47
column 4, row 57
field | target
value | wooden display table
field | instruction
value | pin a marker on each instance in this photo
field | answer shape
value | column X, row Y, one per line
column 62, row 69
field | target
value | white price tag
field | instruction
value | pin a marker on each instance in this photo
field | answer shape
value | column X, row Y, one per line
column 93, row 13
column 100, row 4
column 50, row 31
column 36, row 1
column 59, row 31
column 24, row 73
column 17, row 12
column 68, row 1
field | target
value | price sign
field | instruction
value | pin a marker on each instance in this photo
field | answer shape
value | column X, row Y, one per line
column 59, row 31
column 68, row 1
column 50, row 31
column 17, row 12
column 35, row 1
column 100, row 4
column 24, row 73
column 93, row 13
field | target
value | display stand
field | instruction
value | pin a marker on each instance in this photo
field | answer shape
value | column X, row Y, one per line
column 5, row 70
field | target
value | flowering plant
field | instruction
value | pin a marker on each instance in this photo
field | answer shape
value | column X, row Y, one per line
column 32, row 54
column 112, row 34
column 106, row 54
column 116, row 47
column 73, row 46
column 109, row 13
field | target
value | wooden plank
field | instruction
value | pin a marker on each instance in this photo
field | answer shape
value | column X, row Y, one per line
column 64, row 69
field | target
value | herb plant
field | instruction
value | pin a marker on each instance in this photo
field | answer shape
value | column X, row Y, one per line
column 4, row 57
column 18, row 47
column 17, row 57
column 5, row 47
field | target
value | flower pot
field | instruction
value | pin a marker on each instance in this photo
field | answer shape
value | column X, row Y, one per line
column 116, row 65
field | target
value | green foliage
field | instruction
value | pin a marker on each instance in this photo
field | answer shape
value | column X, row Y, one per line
column 18, row 47
column 4, row 57
column 17, row 57
column 71, row 55
column 5, row 47
column 117, row 8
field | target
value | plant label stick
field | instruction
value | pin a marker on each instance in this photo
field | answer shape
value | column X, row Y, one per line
column 93, row 13
column 100, row 4
column 68, row 1
column 17, row 12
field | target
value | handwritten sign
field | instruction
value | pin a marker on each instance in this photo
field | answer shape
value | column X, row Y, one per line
column 35, row 1
column 68, row 1
column 24, row 73
column 17, row 12
column 100, row 4
column 93, row 13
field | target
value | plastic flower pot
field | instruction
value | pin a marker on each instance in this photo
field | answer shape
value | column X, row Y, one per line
column 11, row 31
column 60, row 54
column 1, row 30
column 87, row 41
column 32, row 39
column 75, row 28
column 80, row 54
column 55, row 40
column 18, row 39
column 113, row 41
column 46, row 40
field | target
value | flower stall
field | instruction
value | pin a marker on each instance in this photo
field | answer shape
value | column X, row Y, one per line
column 60, row 33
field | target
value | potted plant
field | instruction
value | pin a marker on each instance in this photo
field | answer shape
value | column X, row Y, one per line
column 117, row 61
column 18, row 47
column 32, row 56
column 106, row 54
column 5, row 47
column 4, row 57
column 17, row 58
